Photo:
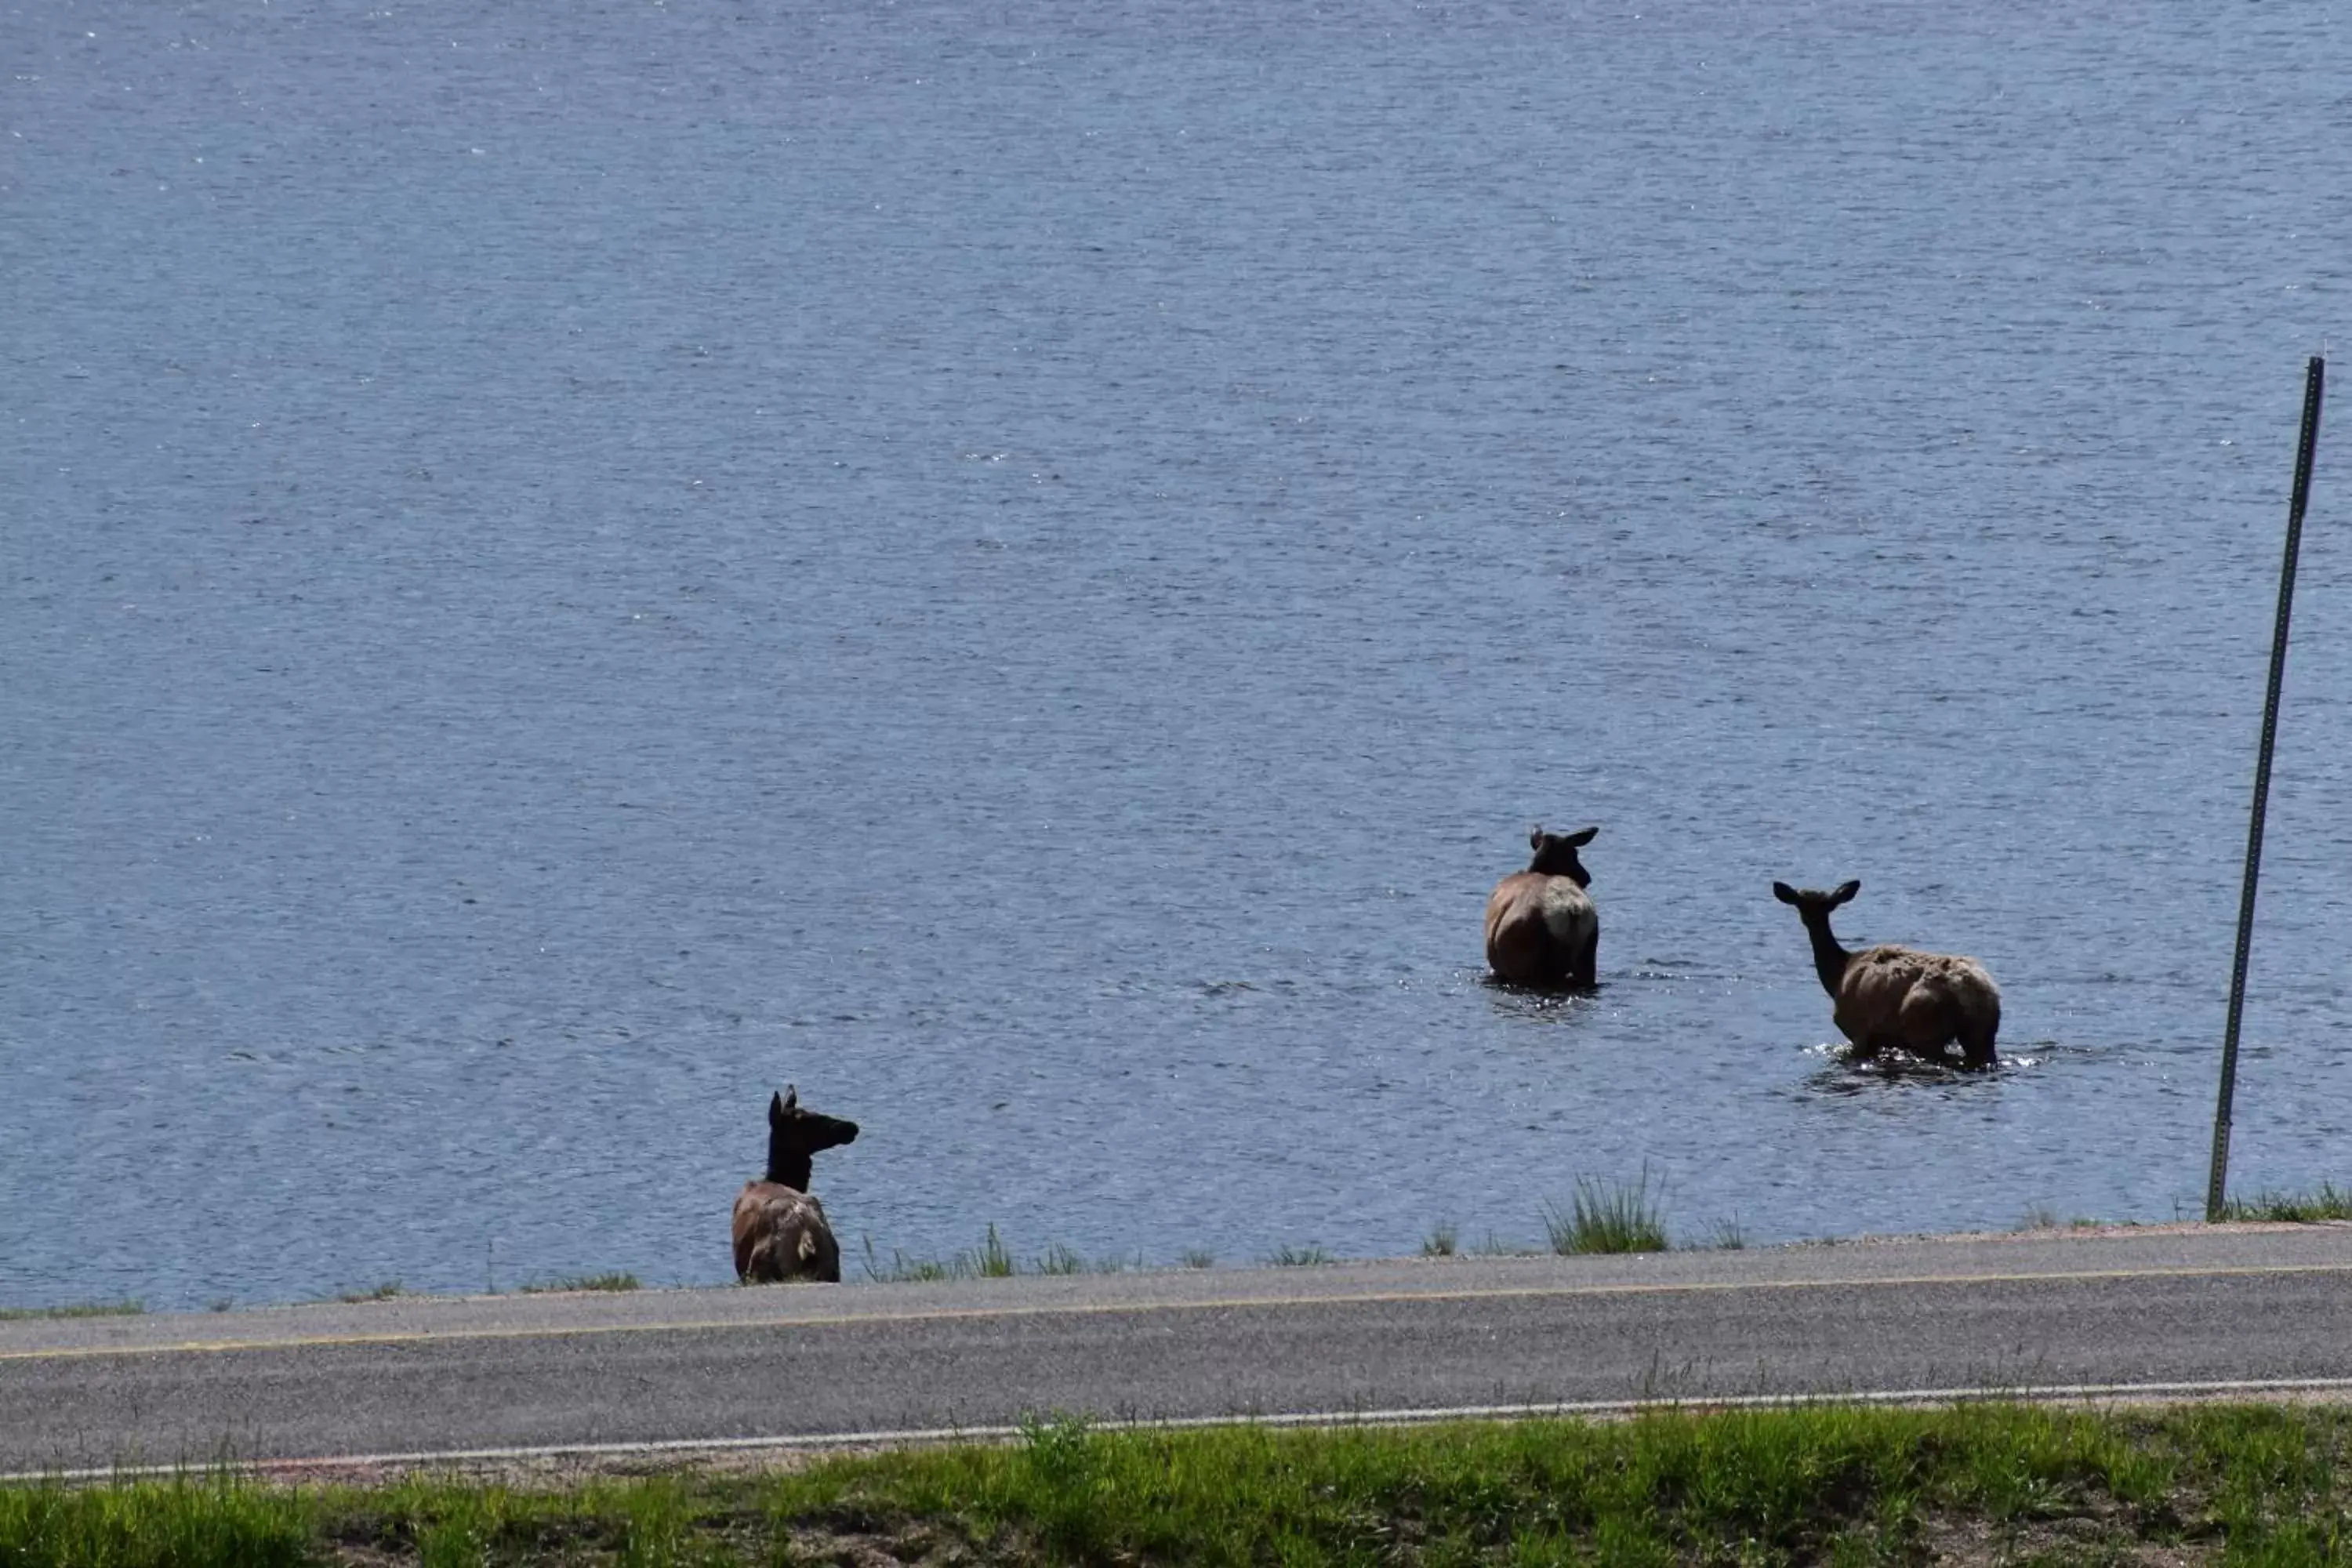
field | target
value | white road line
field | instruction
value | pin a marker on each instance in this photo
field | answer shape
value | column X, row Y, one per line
column 914, row 1436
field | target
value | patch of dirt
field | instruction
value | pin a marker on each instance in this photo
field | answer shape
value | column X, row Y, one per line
column 1972, row 1542
column 912, row 1545
column 359, row 1554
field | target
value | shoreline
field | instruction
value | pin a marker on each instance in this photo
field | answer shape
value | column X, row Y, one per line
column 618, row 1284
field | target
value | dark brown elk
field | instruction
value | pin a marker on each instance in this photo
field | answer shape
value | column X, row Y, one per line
column 1541, row 927
column 1898, row 997
column 780, row 1228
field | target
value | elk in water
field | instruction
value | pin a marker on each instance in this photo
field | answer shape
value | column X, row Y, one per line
column 1899, row 997
column 1541, row 927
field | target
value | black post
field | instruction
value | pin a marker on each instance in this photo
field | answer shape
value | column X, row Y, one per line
column 2314, row 380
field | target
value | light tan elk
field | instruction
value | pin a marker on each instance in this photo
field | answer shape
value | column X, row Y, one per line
column 1897, row 996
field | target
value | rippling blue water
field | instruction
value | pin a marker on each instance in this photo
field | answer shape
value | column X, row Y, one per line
column 1025, row 568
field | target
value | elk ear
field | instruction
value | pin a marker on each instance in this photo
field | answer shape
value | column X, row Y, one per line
column 1785, row 893
column 775, row 1109
column 1845, row 891
column 792, row 1098
column 1535, row 836
column 1584, row 836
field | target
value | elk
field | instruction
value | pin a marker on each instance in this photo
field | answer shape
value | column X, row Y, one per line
column 1899, row 997
column 1541, row 927
column 780, row 1228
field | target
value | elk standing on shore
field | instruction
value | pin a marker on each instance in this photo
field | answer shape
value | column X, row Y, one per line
column 780, row 1228
column 1912, row 1001
column 1541, row 927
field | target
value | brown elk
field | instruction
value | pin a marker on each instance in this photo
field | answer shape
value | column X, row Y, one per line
column 1541, row 927
column 780, row 1228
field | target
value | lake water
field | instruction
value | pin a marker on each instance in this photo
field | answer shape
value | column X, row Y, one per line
column 1024, row 568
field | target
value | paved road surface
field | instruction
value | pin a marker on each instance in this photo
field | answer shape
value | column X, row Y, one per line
column 2177, row 1311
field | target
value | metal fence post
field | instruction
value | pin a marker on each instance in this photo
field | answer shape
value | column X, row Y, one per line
column 2216, row 1183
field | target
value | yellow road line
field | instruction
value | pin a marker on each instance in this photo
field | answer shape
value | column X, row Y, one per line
column 1132, row 1309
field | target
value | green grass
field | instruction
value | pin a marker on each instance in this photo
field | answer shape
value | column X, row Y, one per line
column 384, row 1292
column 194, row 1522
column 124, row 1309
column 1060, row 1259
column 1608, row 1216
column 1726, row 1236
column 617, row 1281
column 1308, row 1257
column 2330, row 1201
column 1830, row 1486
column 994, row 1259
column 1440, row 1241
column 1197, row 1258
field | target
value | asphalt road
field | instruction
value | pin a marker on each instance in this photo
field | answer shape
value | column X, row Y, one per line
column 2157, row 1313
